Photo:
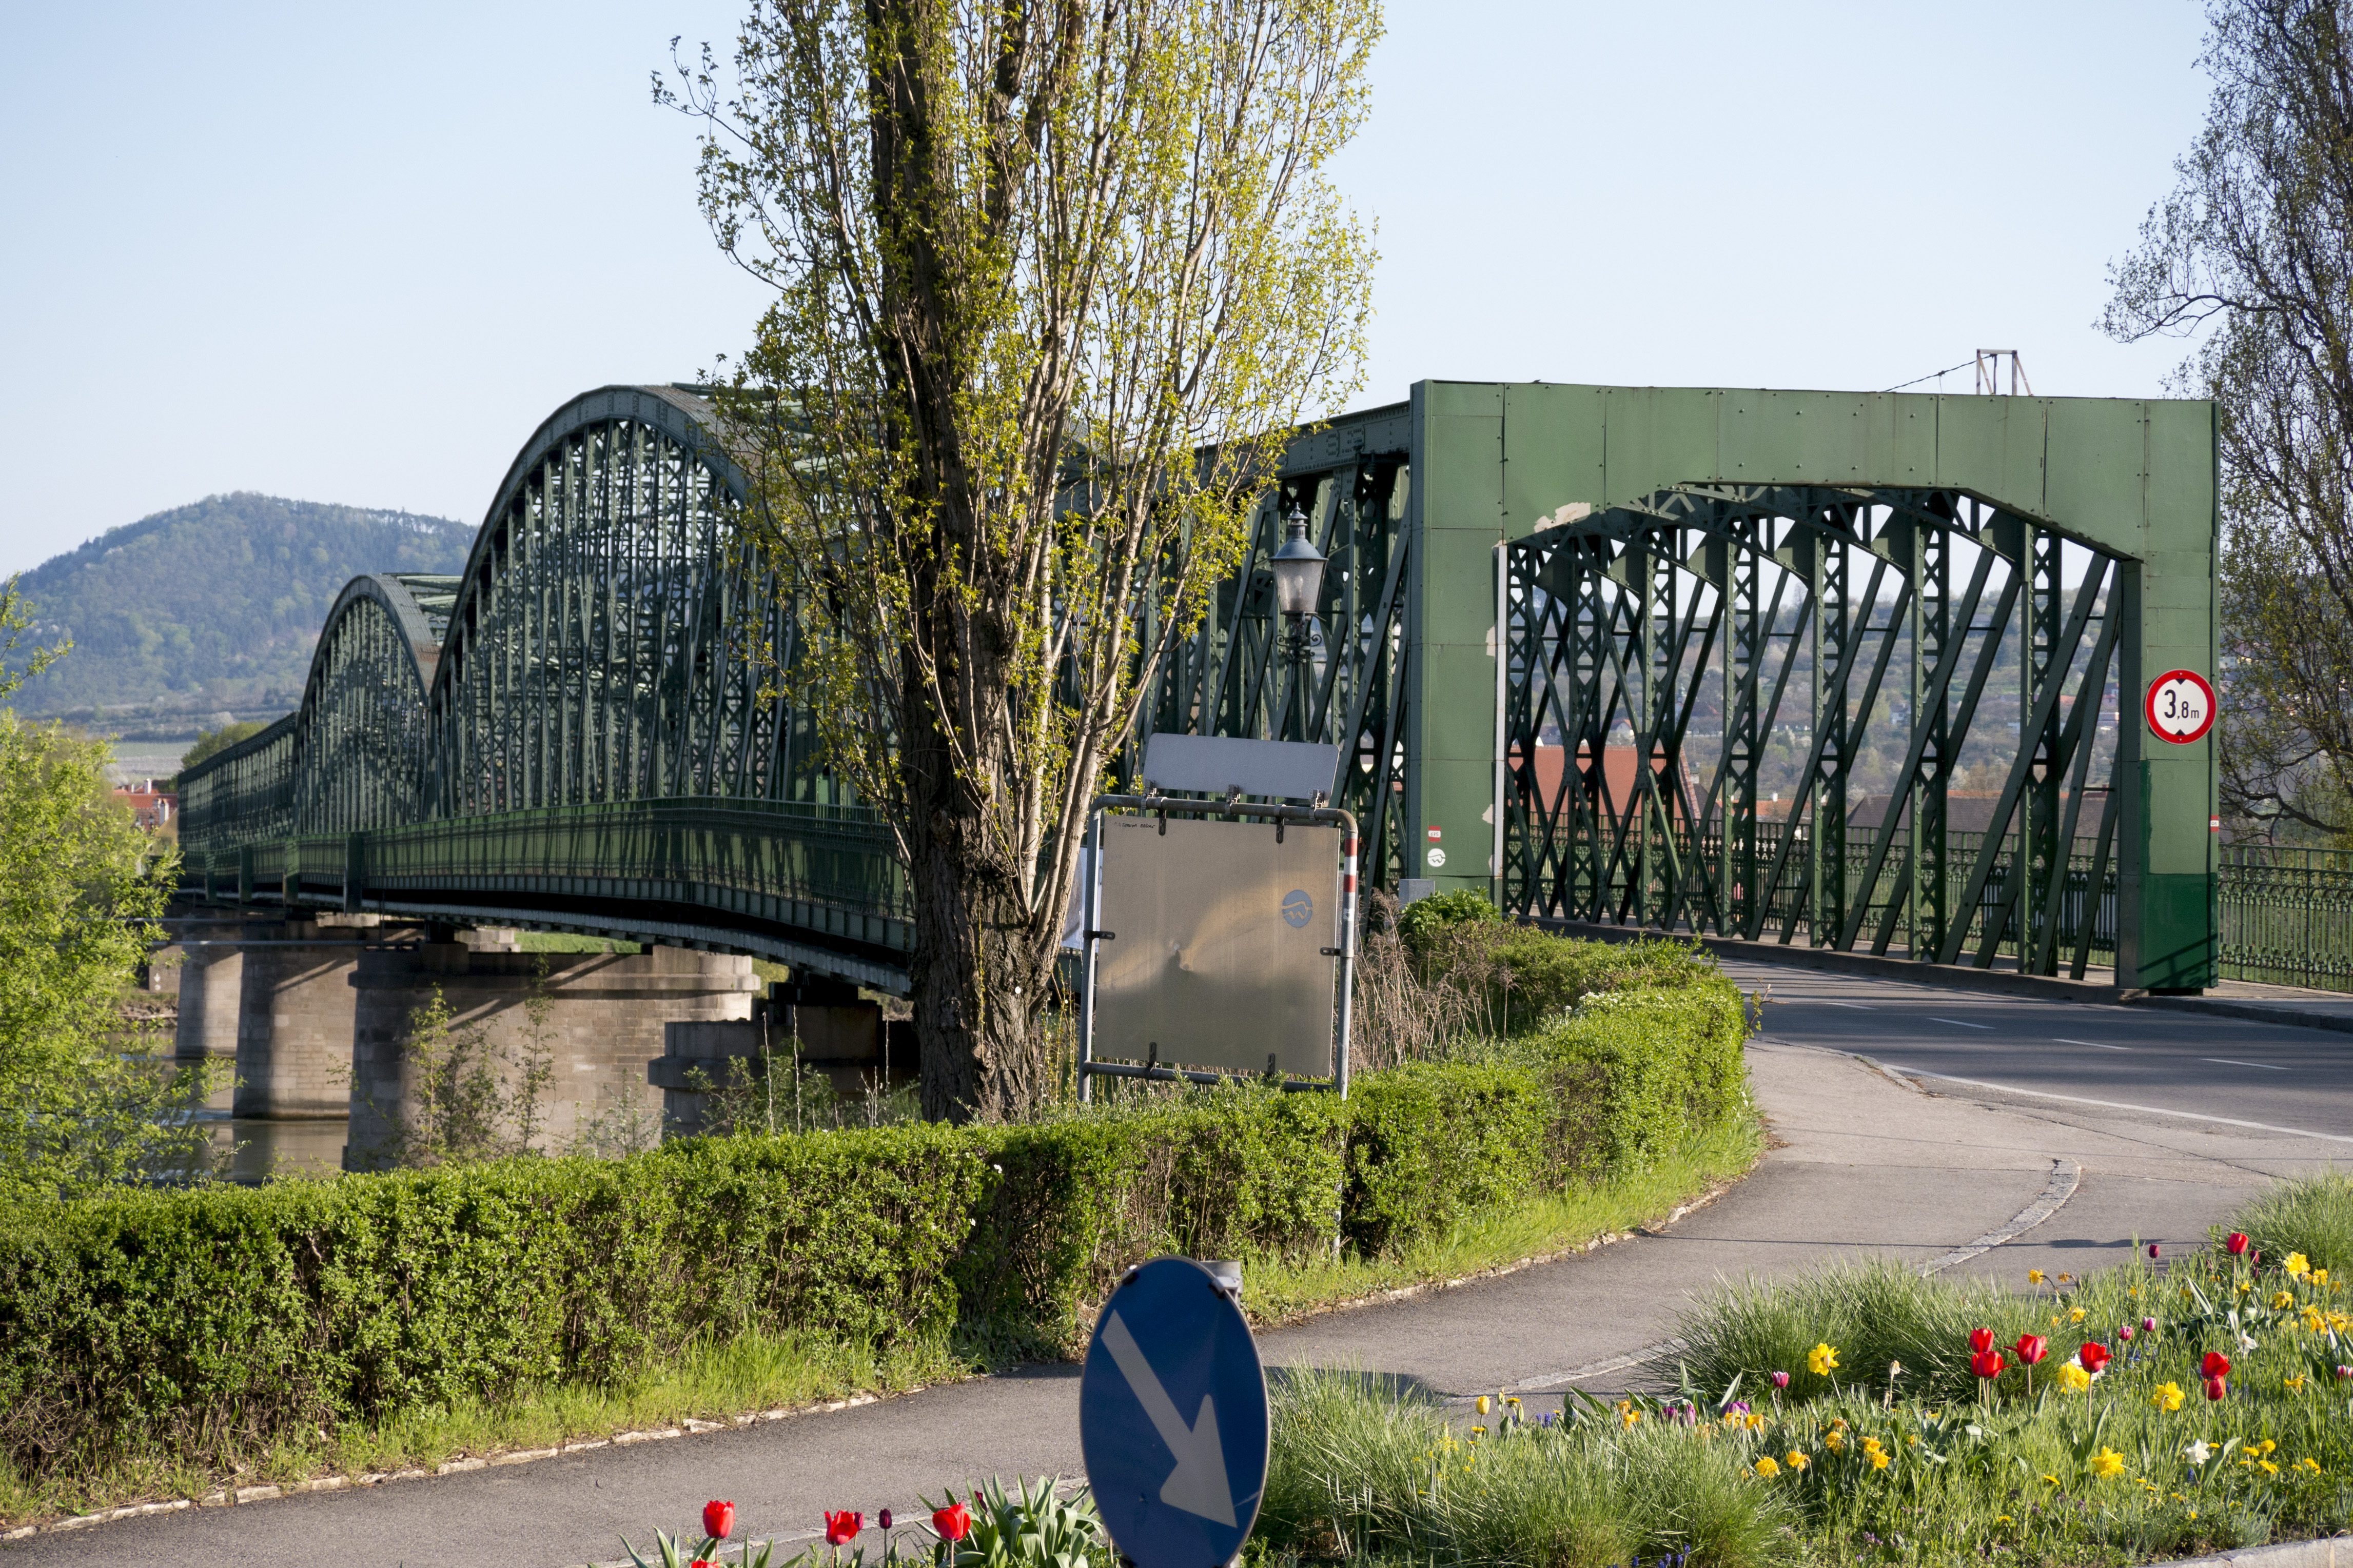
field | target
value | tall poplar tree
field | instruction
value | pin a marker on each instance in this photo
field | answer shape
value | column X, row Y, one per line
column 1053, row 282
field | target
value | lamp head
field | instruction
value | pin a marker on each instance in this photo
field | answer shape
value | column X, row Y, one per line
column 1298, row 568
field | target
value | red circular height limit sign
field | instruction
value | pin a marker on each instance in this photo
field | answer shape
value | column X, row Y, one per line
column 2180, row 706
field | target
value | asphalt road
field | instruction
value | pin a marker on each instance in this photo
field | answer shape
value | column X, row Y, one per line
column 2154, row 1124
column 2120, row 1061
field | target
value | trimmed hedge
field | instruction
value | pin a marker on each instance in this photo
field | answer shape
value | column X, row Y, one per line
column 182, row 1318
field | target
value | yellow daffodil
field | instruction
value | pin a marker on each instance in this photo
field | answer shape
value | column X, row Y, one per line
column 1732, row 1418
column 2309, row 1463
column 2266, row 1446
column 1767, row 1468
column 2282, row 1299
column 1821, row 1360
column 2313, row 1322
column 1835, row 1440
column 1871, row 1445
column 2066, row 1279
column 2034, row 1277
column 2293, row 1384
column 2001, row 1519
column 2295, row 1266
column 1754, row 1419
column 1632, row 1417
column 2052, row 1480
column 2075, row 1315
column 2107, row 1462
column 2074, row 1378
column 2168, row 1396
column 1797, row 1461
column 2269, row 1468
column 1878, row 1457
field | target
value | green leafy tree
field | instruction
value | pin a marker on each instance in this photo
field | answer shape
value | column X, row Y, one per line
column 1053, row 282
column 80, row 884
column 2255, row 247
column 211, row 743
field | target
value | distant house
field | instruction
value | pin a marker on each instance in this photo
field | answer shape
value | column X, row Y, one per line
column 153, row 808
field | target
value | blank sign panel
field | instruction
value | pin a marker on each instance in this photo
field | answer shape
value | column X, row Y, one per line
column 1218, row 953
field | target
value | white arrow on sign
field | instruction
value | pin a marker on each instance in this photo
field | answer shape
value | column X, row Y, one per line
column 1198, row 1483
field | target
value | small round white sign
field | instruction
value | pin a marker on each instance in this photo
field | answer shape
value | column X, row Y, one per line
column 1437, row 858
column 2180, row 706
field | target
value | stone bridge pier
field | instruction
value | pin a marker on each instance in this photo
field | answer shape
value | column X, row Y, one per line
column 592, row 1020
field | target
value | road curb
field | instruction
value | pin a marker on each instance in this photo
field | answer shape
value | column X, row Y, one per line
column 2320, row 1553
column 2256, row 1012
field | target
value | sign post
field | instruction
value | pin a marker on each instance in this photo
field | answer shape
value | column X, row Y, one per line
column 1173, row 1418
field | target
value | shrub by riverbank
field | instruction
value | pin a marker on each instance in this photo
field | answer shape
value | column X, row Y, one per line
column 199, row 1333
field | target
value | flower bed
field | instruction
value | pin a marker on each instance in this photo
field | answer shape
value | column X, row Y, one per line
column 2164, row 1409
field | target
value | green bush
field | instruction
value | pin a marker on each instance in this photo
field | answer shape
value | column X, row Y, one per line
column 199, row 1321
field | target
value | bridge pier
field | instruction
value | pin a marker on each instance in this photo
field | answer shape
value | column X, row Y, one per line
column 601, row 1019
column 296, row 1015
column 211, row 952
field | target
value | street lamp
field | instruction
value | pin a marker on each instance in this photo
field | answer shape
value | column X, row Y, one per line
column 1298, row 568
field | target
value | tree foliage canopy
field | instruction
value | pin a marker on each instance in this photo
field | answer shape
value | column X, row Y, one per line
column 1053, row 282
column 79, row 884
column 2255, row 244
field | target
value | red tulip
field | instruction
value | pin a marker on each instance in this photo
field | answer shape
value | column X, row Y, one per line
column 1780, row 1380
column 719, row 1520
column 2216, row 1364
column 2237, row 1241
column 1981, row 1340
column 953, row 1522
column 2152, row 1249
column 2216, row 1388
column 2092, row 1357
column 1988, row 1365
column 883, row 1520
column 2032, row 1348
column 2343, row 1371
column 840, row 1529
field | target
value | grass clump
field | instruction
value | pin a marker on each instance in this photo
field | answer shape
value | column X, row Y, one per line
column 1361, row 1470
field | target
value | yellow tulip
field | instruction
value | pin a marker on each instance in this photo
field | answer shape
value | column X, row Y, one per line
column 2107, row 1462
column 1482, row 1404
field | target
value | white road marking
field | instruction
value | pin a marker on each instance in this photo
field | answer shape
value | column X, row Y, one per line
column 2096, row 1045
column 2120, row 1105
column 2227, row 1062
column 1858, row 1006
column 1964, row 1023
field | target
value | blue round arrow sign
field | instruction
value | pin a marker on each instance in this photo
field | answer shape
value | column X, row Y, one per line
column 1172, row 1418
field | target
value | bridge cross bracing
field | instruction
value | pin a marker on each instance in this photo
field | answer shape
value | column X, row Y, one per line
column 1573, row 642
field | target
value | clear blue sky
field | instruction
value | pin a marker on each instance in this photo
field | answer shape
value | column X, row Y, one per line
column 356, row 253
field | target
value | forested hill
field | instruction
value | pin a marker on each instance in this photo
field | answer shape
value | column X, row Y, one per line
column 216, row 605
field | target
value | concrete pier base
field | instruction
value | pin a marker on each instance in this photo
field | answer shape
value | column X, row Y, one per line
column 211, row 984
column 602, row 1020
column 297, row 1015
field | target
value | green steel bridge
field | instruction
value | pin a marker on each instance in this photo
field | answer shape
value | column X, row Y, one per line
column 1851, row 671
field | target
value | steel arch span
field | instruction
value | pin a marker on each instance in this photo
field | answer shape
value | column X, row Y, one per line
column 1573, row 644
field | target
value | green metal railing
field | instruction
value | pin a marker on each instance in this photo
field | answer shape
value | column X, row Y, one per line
column 2288, row 916
column 811, row 868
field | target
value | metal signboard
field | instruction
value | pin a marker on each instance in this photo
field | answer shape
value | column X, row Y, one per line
column 1217, row 764
column 1222, row 944
column 1173, row 1418
column 2180, row 706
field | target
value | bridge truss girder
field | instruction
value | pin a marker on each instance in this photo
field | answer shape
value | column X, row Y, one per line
column 1626, row 618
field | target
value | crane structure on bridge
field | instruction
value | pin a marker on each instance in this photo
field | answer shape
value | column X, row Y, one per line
column 1834, row 600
